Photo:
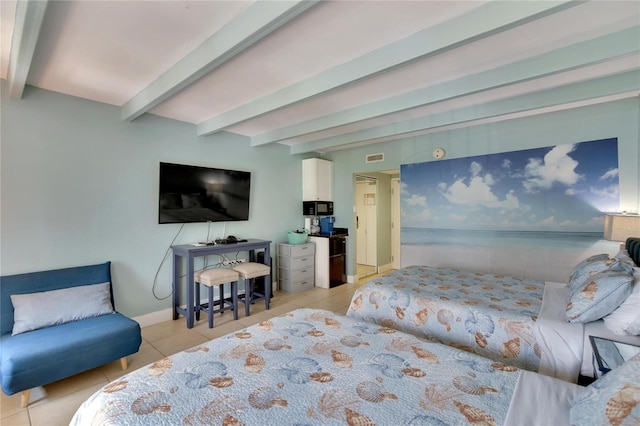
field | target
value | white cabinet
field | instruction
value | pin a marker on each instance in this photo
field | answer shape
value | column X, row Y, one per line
column 317, row 180
column 296, row 267
column 322, row 261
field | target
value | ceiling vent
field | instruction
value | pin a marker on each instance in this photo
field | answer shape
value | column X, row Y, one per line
column 375, row 158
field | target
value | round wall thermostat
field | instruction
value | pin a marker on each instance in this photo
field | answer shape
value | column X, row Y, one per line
column 438, row 153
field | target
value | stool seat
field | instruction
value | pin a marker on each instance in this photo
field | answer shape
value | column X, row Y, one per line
column 252, row 270
column 217, row 277
column 248, row 271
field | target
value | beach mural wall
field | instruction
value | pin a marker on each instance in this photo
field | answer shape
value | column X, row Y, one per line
column 533, row 213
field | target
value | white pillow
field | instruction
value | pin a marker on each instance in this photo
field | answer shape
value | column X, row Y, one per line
column 43, row 309
column 625, row 319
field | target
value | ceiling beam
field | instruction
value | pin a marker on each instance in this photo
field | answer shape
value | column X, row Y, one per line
column 255, row 23
column 626, row 82
column 482, row 22
column 565, row 59
column 28, row 21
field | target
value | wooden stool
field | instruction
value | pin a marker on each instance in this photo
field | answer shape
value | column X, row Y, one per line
column 248, row 271
column 217, row 277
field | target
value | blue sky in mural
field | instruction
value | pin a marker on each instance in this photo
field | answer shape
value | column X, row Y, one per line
column 558, row 188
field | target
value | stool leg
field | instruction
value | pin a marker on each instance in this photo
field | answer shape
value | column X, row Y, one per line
column 224, row 304
column 234, row 298
column 197, row 301
column 247, row 295
column 267, row 291
column 210, row 306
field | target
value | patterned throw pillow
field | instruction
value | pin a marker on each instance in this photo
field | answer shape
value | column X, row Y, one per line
column 599, row 295
column 591, row 263
column 624, row 257
column 613, row 399
column 591, row 266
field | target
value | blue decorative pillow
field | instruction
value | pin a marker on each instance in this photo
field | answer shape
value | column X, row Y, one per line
column 592, row 266
column 599, row 295
column 43, row 309
column 613, row 399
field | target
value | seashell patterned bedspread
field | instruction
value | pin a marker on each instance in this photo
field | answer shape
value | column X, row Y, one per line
column 309, row 367
column 490, row 315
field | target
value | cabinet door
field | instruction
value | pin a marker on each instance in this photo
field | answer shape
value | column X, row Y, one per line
column 317, row 180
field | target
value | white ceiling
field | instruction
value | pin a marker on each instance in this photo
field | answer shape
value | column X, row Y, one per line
column 326, row 75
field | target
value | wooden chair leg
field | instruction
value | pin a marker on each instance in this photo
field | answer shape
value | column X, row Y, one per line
column 24, row 398
column 123, row 362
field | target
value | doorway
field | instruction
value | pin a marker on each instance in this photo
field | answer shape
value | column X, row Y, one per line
column 395, row 223
column 366, row 225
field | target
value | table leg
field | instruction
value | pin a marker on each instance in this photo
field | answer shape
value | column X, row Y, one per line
column 190, row 287
column 267, row 279
column 176, row 286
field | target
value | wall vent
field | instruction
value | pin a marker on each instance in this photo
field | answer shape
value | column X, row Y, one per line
column 375, row 158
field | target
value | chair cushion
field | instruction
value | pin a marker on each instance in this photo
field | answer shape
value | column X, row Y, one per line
column 215, row 276
column 252, row 269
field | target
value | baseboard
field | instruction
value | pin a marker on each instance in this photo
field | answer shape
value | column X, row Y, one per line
column 385, row 268
column 154, row 318
column 157, row 317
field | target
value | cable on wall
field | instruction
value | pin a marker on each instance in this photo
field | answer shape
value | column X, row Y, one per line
column 155, row 279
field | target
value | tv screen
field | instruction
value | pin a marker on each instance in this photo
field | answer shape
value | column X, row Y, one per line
column 202, row 194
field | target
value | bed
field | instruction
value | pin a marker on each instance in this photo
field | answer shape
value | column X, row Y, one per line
column 315, row 367
column 519, row 321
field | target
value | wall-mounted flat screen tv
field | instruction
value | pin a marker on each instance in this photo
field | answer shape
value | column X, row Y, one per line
column 202, row 194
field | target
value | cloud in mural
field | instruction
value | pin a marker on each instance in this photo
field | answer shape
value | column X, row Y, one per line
column 478, row 193
column 610, row 175
column 611, row 191
column 555, row 167
column 416, row 200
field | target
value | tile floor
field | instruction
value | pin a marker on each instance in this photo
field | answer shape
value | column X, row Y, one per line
column 56, row 403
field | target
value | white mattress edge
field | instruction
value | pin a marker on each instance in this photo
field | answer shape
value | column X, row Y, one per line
column 541, row 400
column 561, row 343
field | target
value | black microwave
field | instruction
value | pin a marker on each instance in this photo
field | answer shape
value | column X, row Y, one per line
column 317, row 208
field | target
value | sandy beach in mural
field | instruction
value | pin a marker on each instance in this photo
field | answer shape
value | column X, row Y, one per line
column 543, row 263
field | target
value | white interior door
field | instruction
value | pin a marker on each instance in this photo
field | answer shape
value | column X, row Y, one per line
column 366, row 222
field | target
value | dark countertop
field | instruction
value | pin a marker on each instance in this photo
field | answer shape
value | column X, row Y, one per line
column 337, row 233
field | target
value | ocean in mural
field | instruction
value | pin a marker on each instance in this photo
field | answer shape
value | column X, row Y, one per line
column 503, row 239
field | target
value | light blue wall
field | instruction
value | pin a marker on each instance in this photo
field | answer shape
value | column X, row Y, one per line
column 80, row 186
column 614, row 119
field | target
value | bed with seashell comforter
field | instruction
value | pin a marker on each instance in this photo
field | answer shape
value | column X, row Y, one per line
column 518, row 321
column 315, row 367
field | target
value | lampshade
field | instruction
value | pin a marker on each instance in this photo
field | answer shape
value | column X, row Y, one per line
column 619, row 227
